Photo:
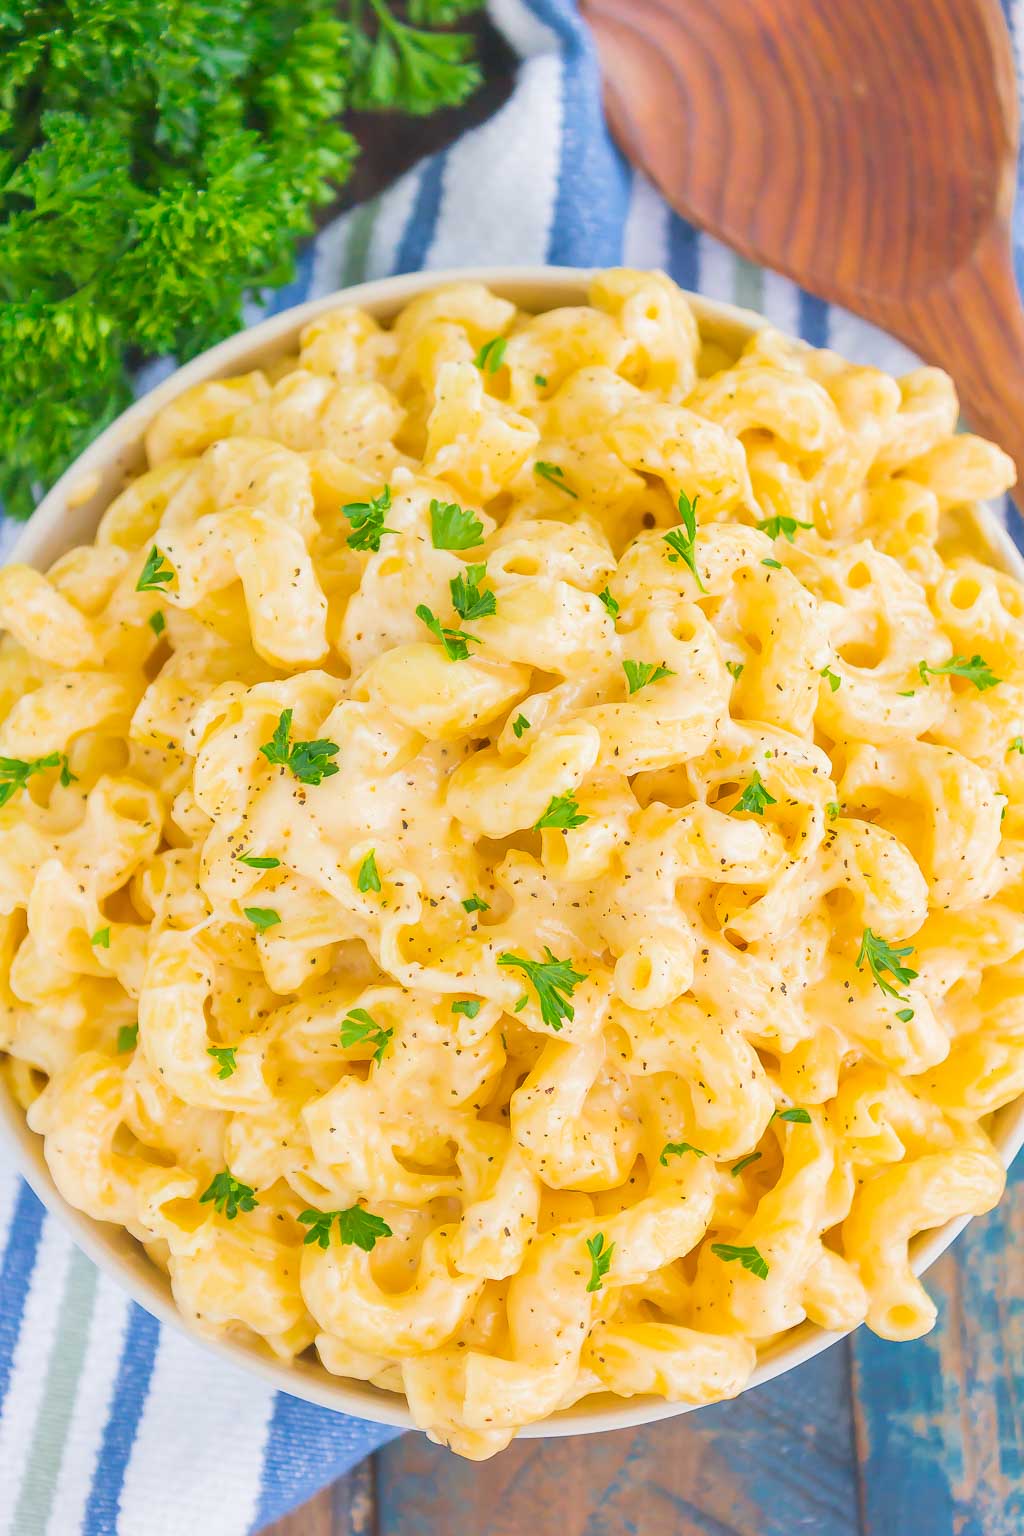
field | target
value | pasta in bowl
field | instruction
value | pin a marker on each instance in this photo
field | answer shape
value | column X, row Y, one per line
column 510, row 850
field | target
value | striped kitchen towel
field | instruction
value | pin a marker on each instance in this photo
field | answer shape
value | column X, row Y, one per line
column 108, row 1422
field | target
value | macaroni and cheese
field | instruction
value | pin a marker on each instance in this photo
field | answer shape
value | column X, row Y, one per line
column 512, row 851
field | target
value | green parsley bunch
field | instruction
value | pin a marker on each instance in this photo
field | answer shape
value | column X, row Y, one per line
column 159, row 159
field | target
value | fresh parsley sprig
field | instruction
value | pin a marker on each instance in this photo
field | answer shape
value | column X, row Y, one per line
column 368, row 878
column 677, row 1149
column 452, row 527
column 881, row 957
column 554, row 474
column 15, row 772
column 492, row 354
column 609, row 602
column 262, row 918
column 784, row 526
column 358, row 1026
column 562, row 813
column 832, row 678
column 554, row 982
column 354, row 1226
column 229, row 1195
column 224, row 1056
column 640, row 673
column 976, row 671
column 367, row 519
column 750, row 1258
column 455, row 641
column 155, row 574
column 755, row 798
column 467, row 599
column 682, row 542
column 600, row 1260
column 309, row 761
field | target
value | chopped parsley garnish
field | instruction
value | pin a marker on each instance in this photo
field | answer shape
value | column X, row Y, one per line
column 832, row 809
column 309, row 761
column 609, row 602
column 555, row 475
column 15, row 772
column 750, row 1258
column 976, row 671
column 735, row 668
column 101, row 939
column 492, row 354
column 519, row 725
column 786, row 526
column 470, row 1006
column 562, row 813
column 259, row 861
column 452, row 527
column 793, row 1116
column 262, row 918
column 776, row 565
column 540, row 381
column 640, row 673
column 755, row 798
column 554, row 982
column 476, row 904
column 368, row 878
column 744, row 1162
column 830, row 677
column 358, row 1025
column 354, row 1226
column 230, row 1195
column 367, row 519
column 154, row 573
column 224, row 1056
column 453, row 640
column 467, row 599
column 1017, row 745
column 677, row 1149
column 127, row 1037
column 157, row 622
column 600, row 1260
column 904, row 1015
column 882, row 957
column 682, row 542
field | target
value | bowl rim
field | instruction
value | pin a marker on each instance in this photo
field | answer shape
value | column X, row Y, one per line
column 68, row 515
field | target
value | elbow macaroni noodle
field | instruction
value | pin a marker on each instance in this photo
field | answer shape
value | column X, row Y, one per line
column 496, row 1114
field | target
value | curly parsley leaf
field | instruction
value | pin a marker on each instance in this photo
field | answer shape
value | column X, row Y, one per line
column 368, row 879
column 640, row 673
column 554, row 982
column 682, row 542
column 467, row 599
column 562, row 814
column 554, row 474
column 354, row 1226
column 755, row 798
column 309, row 761
column 155, row 574
column 358, row 1026
column 453, row 527
column 677, row 1149
column 407, row 68
column 600, row 1260
column 229, row 1195
column 976, row 671
column 492, row 354
column 367, row 519
column 455, row 641
column 224, row 1056
column 750, row 1258
column 881, row 957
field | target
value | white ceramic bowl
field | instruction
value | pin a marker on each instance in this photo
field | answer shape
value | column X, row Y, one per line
column 68, row 516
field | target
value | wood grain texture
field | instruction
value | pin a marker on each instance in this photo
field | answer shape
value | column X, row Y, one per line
column 866, row 149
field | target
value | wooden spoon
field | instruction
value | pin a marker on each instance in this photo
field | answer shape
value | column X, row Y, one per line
column 866, row 148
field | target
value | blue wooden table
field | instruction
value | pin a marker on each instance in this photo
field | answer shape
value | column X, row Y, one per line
column 870, row 1439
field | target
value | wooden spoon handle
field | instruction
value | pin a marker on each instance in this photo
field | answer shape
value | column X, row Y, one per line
column 973, row 326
